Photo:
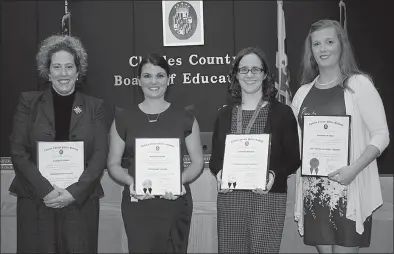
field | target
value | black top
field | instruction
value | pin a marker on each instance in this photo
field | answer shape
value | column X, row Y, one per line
column 330, row 102
column 62, row 107
column 285, row 154
column 34, row 121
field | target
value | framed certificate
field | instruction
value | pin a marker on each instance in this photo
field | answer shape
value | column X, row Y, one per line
column 62, row 163
column 325, row 144
column 246, row 161
column 157, row 166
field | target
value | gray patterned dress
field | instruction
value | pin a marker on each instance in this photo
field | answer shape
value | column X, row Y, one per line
column 249, row 222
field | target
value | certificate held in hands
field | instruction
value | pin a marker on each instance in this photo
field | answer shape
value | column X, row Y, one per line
column 62, row 163
column 157, row 166
column 325, row 144
column 246, row 160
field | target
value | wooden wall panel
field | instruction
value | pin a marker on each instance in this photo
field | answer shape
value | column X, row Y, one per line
column 203, row 232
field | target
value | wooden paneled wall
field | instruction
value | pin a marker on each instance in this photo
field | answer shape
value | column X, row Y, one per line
column 203, row 234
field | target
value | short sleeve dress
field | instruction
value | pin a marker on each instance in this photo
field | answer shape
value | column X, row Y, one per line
column 325, row 201
column 155, row 225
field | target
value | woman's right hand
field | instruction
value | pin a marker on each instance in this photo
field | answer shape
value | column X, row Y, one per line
column 51, row 195
column 219, row 183
column 134, row 195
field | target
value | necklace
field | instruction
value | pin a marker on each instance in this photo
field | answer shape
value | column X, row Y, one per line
column 252, row 119
column 152, row 120
column 325, row 84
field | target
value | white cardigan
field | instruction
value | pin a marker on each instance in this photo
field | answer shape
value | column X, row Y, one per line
column 368, row 127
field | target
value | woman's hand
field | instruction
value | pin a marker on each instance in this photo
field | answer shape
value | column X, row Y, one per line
column 51, row 195
column 271, row 179
column 347, row 174
column 344, row 175
column 62, row 200
column 219, row 183
column 134, row 195
column 170, row 196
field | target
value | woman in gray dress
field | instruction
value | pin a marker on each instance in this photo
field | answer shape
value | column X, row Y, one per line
column 252, row 221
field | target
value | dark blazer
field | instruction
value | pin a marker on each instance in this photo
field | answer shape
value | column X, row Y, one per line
column 285, row 154
column 34, row 121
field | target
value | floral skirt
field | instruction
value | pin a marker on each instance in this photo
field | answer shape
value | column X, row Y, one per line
column 325, row 221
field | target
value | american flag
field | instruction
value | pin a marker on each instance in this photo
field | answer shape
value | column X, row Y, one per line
column 282, row 78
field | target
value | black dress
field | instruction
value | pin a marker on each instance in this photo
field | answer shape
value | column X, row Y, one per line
column 155, row 225
column 325, row 201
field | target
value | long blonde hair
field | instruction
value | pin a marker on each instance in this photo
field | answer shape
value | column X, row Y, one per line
column 347, row 61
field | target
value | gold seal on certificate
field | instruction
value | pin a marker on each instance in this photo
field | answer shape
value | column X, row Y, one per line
column 157, row 166
column 325, row 144
column 246, row 160
column 62, row 163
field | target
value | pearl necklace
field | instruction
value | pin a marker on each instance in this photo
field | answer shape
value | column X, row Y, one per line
column 325, row 84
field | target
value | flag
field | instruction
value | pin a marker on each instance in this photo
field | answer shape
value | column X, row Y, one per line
column 66, row 20
column 342, row 14
column 282, row 78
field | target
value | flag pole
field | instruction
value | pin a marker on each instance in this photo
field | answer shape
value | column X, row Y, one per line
column 66, row 20
column 280, row 45
column 282, row 79
column 342, row 14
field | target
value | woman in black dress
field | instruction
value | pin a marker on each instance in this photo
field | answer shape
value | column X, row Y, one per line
column 155, row 224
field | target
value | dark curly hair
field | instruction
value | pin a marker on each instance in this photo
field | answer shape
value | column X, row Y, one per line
column 234, row 90
column 56, row 43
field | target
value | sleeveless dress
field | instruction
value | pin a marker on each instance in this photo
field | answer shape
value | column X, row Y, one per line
column 155, row 225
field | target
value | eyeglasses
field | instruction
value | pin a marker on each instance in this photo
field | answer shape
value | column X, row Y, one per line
column 254, row 70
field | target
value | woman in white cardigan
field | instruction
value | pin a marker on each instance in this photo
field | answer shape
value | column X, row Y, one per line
column 334, row 213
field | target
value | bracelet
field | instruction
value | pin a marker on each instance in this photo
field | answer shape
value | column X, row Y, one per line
column 270, row 172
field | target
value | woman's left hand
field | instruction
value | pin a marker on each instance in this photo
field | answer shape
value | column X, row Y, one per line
column 170, row 196
column 344, row 175
column 63, row 200
column 271, row 177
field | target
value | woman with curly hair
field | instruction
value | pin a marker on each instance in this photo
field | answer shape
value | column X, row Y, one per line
column 51, row 218
column 252, row 221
